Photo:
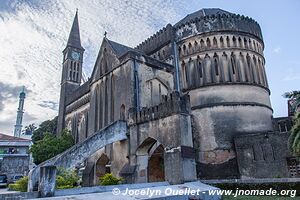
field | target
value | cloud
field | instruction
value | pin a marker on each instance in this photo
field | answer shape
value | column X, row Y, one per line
column 9, row 93
column 276, row 50
column 49, row 104
column 34, row 33
column 292, row 77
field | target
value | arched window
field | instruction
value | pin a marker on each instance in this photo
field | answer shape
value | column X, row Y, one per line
column 195, row 46
column 215, row 43
column 190, row 48
column 233, row 64
column 250, row 44
column 240, row 42
column 201, row 43
column 112, row 100
column 234, row 41
column 208, row 42
column 221, row 41
column 245, row 43
column 228, row 41
column 122, row 112
column 216, row 65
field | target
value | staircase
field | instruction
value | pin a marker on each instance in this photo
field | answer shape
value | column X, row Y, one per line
column 78, row 153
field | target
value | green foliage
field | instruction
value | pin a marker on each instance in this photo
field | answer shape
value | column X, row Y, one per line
column 110, row 179
column 29, row 129
column 20, row 185
column 294, row 139
column 51, row 146
column 66, row 179
column 48, row 126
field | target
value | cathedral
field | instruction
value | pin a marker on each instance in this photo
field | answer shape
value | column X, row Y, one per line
column 195, row 98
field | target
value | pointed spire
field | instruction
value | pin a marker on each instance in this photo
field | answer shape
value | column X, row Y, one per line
column 74, row 37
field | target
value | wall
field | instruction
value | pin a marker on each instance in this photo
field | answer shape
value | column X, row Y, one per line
column 262, row 155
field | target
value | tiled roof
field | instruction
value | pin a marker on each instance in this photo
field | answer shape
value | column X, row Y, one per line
column 4, row 137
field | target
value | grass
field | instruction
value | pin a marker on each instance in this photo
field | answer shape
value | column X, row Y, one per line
column 259, row 197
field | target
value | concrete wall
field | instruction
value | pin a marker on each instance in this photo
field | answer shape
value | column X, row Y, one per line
column 262, row 155
column 14, row 165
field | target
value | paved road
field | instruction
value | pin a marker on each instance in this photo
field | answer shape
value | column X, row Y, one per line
column 5, row 190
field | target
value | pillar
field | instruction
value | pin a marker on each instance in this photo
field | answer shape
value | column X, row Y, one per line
column 47, row 181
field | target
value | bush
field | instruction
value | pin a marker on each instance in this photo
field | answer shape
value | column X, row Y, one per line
column 110, row 179
column 20, row 185
column 66, row 179
column 51, row 146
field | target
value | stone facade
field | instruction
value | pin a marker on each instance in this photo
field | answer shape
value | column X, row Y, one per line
column 14, row 156
column 191, row 94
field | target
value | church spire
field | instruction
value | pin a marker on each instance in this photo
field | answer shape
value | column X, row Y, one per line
column 74, row 37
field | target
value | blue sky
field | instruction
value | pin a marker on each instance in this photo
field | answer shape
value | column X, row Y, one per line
column 34, row 33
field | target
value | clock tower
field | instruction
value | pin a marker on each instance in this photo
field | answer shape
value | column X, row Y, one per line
column 71, row 70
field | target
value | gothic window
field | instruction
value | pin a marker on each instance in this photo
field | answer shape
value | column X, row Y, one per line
column 245, row 43
column 70, row 73
column 112, row 87
column 184, row 49
column 216, row 67
column 190, row 48
column 228, row 41
column 215, row 42
column 122, row 112
column 250, row 44
column 251, row 72
column 221, row 41
column 96, row 110
column 240, row 42
column 208, row 42
column 164, row 53
column 234, row 41
column 195, row 46
column 179, row 51
column 233, row 64
column 106, row 103
column 184, row 79
column 201, row 43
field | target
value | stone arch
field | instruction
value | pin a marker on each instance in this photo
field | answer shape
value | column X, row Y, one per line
column 102, row 166
column 150, row 156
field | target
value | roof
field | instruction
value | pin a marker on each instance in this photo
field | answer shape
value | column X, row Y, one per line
column 9, row 138
column 119, row 49
column 74, row 37
column 201, row 13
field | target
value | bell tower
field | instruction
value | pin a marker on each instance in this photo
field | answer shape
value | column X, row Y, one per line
column 71, row 70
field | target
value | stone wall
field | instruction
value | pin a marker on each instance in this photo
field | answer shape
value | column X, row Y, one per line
column 262, row 155
column 14, row 165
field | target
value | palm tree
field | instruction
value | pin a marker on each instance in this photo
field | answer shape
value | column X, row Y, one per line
column 294, row 138
column 29, row 129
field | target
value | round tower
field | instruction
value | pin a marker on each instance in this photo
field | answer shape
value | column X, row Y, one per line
column 222, row 69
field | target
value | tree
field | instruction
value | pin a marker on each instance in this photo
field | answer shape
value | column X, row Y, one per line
column 29, row 129
column 48, row 126
column 294, row 138
column 51, row 146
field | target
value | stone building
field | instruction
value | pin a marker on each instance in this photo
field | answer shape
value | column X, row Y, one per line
column 14, row 156
column 195, row 97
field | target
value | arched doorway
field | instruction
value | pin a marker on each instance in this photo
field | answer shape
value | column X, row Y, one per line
column 150, row 161
column 102, row 167
column 156, row 168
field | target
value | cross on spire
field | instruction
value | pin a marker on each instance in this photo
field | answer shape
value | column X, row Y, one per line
column 105, row 34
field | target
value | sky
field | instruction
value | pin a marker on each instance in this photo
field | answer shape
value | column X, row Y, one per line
column 33, row 34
